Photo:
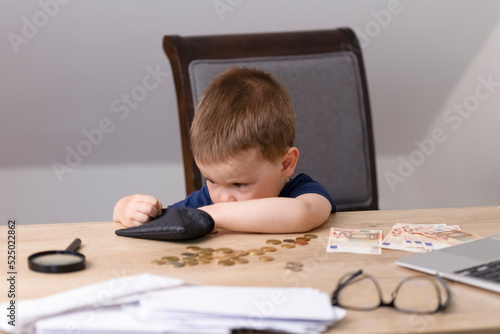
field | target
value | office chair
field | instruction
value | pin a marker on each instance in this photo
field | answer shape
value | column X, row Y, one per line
column 324, row 74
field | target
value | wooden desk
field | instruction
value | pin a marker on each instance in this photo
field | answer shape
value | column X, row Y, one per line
column 108, row 256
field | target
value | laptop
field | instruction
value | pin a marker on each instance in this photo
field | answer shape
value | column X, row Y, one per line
column 475, row 263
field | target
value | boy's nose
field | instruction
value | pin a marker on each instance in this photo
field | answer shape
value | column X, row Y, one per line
column 226, row 196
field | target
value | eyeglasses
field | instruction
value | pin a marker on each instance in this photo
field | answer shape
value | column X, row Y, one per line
column 416, row 294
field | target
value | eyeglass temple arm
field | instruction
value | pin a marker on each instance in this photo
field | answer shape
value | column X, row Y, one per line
column 342, row 285
column 448, row 292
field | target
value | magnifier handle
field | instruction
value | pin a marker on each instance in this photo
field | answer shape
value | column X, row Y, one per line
column 74, row 245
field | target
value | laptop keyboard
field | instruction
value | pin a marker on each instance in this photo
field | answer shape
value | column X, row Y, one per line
column 488, row 271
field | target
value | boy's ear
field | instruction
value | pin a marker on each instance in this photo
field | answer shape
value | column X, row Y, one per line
column 289, row 162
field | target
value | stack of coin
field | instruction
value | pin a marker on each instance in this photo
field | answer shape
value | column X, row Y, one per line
column 173, row 261
column 294, row 266
column 189, row 259
column 240, row 260
column 266, row 258
column 224, row 256
column 239, row 253
column 224, row 250
column 231, row 257
column 255, row 251
column 195, row 255
column 204, row 255
column 268, row 249
column 302, row 241
column 177, row 264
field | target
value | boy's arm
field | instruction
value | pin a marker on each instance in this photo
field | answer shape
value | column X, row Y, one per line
column 271, row 215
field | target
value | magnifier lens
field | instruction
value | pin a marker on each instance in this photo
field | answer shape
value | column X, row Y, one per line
column 57, row 259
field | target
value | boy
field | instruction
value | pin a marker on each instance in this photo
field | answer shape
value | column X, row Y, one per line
column 242, row 141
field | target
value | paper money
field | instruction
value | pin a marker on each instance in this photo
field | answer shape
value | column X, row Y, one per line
column 394, row 239
column 354, row 241
column 425, row 237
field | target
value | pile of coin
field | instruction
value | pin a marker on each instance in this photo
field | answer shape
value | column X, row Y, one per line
column 225, row 256
column 294, row 266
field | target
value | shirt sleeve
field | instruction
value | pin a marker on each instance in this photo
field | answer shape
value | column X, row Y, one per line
column 195, row 200
column 304, row 184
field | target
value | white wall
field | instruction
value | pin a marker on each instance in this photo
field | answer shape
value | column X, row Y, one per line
column 69, row 68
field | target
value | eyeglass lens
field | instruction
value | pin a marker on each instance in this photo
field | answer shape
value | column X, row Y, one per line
column 361, row 293
column 419, row 295
column 413, row 295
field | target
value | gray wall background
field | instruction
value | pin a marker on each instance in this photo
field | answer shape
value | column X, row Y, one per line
column 74, row 70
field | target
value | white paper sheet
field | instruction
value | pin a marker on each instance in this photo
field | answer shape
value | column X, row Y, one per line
column 155, row 304
column 90, row 296
column 136, row 319
column 275, row 303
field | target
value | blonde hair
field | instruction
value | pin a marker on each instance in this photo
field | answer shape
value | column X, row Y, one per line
column 241, row 109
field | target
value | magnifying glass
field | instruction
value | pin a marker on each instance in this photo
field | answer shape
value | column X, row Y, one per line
column 64, row 261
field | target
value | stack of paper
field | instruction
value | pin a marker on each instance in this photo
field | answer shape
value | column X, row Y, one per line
column 425, row 237
column 172, row 307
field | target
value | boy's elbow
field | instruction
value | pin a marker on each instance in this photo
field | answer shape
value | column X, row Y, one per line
column 314, row 223
column 314, row 214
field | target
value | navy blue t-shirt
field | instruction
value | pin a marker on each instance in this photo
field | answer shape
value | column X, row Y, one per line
column 299, row 185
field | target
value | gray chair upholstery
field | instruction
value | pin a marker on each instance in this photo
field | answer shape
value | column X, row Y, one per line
column 333, row 124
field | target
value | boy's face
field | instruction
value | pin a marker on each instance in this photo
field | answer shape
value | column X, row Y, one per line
column 245, row 177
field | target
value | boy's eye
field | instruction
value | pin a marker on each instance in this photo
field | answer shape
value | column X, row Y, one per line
column 212, row 182
column 239, row 185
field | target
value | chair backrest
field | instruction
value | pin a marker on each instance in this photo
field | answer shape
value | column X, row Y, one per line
column 324, row 74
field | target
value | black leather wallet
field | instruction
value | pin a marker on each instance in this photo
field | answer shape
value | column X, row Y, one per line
column 173, row 224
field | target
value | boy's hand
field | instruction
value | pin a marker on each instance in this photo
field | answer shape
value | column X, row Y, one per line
column 137, row 209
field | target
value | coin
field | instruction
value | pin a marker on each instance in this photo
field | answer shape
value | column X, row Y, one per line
column 170, row 258
column 226, row 263
column 256, row 251
column 236, row 256
column 224, row 250
column 191, row 263
column 310, row 236
column 240, row 253
column 158, row 262
column 294, row 264
column 289, row 241
column 302, row 238
column 240, row 260
column 266, row 258
column 301, row 242
column 186, row 254
column 273, row 242
column 219, row 258
column 287, row 245
column 176, row 264
column 268, row 249
column 203, row 254
column 294, row 268
column 193, row 248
